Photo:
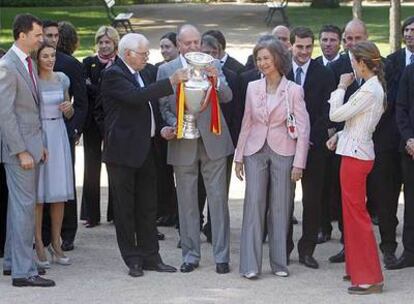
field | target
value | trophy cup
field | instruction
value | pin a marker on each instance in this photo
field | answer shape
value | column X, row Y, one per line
column 196, row 91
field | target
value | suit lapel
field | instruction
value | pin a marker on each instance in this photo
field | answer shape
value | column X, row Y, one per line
column 308, row 80
column 25, row 74
column 127, row 72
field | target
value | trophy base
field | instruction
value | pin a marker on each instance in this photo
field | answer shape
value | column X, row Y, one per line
column 190, row 130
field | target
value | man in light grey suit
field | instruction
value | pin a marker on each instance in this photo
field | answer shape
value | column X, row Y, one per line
column 22, row 149
column 207, row 153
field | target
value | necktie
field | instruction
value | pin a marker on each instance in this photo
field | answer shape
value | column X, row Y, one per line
column 412, row 59
column 298, row 77
column 30, row 66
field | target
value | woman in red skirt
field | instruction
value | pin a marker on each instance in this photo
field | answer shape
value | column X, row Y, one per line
column 354, row 143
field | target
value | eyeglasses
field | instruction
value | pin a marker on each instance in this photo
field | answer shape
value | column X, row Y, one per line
column 142, row 54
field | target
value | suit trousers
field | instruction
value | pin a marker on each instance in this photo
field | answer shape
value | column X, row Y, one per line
column 3, row 207
column 266, row 172
column 408, row 230
column 312, row 188
column 361, row 254
column 135, row 209
column 91, row 194
column 384, row 186
column 214, row 176
column 18, row 251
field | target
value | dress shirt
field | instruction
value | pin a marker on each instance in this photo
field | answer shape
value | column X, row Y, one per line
column 142, row 85
column 408, row 55
column 361, row 114
column 224, row 59
column 304, row 70
column 326, row 61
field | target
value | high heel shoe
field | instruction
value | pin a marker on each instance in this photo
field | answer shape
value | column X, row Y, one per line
column 61, row 260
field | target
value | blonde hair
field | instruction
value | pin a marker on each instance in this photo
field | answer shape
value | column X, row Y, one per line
column 108, row 31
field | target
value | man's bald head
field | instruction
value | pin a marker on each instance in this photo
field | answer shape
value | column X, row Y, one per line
column 282, row 33
column 188, row 39
column 355, row 31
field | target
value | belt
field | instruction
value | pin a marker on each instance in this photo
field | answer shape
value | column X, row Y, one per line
column 52, row 118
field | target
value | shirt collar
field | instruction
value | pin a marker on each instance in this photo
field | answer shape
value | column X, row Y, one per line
column 408, row 54
column 326, row 61
column 224, row 59
column 183, row 61
column 133, row 72
column 304, row 67
column 22, row 55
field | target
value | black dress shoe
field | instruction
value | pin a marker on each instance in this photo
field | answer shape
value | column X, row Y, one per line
column 294, row 220
column 308, row 261
column 34, row 281
column 67, row 245
column 40, row 271
column 91, row 224
column 160, row 236
column 222, row 268
column 188, row 267
column 402, row 262
column 159, row 267
column 338, row 258
column 323, row 237
column 358, row 290
column 136, row 271
column 389, row 258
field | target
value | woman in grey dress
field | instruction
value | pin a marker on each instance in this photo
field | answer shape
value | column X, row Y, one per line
column 55, row 184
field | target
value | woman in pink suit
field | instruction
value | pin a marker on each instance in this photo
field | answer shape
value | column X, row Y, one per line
column 271, row 157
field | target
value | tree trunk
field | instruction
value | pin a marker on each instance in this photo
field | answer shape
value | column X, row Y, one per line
column 357, row 9
column 395, row 25
column 325, row 3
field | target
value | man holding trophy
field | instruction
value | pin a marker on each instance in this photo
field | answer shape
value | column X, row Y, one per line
column 198, row 138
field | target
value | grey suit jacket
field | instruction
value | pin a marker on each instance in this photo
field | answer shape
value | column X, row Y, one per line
column 183, row 152
column 20, row 125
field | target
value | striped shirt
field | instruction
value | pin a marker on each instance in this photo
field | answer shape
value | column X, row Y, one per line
column 361, row 114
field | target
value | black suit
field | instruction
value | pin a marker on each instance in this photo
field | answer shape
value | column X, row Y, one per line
column 244, row 79
column 74, row 126
column 129, row 157
column 317, row 94
column 92, row 146
column 249, row 63
column 233, row 65
column 405, row 122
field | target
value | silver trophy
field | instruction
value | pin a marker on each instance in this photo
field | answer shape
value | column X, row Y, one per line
column 196, row 91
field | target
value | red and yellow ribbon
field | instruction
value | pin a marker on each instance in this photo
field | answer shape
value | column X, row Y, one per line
column 215, row 123
column 180, row 110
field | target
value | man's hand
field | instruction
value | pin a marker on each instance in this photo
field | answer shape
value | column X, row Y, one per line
column 410, row 146
column 239, row 170
column 212, row 71
column 168, row 133
column 181, row 75
column 331, row 143
column 26, row 160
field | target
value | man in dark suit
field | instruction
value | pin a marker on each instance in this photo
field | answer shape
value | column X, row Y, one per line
column 355, row 31
column 307, row 73
column 129, row 97
column 400, row 92
column 330, row 42
column 63, row 36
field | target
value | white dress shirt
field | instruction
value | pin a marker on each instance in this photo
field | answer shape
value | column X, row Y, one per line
column 304, row 70
column 361, row 114
column 326, row 61
column 224, row 59
column 408, row 54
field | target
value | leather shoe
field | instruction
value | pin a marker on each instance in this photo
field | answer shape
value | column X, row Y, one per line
column 222, row 268
column 389, row 258
column 346, row 278
column 338, row 258
column 358, row 290
column 188, row 267
column 160, row 236
column 308, row 261
column 136, row 271
column 67, row 246
column 294, row 220
column 91, row 225
column 323, row 237
column 40, row 271
column 34, row 281
column 402, row 262
column 159, row 267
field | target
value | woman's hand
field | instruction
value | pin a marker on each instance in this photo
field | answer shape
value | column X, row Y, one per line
column 346, row 80
column 66, row 108
column 296, row 174
column 239, row 169
column 331, row 143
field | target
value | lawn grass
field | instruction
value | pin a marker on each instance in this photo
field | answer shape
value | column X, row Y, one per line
column 88, row 19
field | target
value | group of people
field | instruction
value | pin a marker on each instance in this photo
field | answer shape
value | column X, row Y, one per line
column 341, row 124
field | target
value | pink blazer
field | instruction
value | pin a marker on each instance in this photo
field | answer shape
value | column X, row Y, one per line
column 259, row 124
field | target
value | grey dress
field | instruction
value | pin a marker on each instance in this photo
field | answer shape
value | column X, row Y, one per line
column 56, row 175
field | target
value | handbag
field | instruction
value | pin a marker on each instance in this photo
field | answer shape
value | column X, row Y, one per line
column 290, row 118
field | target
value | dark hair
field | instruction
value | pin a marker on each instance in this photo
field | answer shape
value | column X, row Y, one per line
column 368, row 53
column 42, row 47
column 211, row 42
column 219, row 36
column 68, row 38
column 330, row 28
column 301, row 32
column 50, row 23
column 23, row 23
column 407, row 22
column 172, row 36
column 279, row 52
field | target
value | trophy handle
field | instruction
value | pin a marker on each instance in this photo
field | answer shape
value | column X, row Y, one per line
column 206, row 101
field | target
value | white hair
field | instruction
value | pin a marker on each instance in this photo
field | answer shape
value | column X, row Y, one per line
column 131, row 41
